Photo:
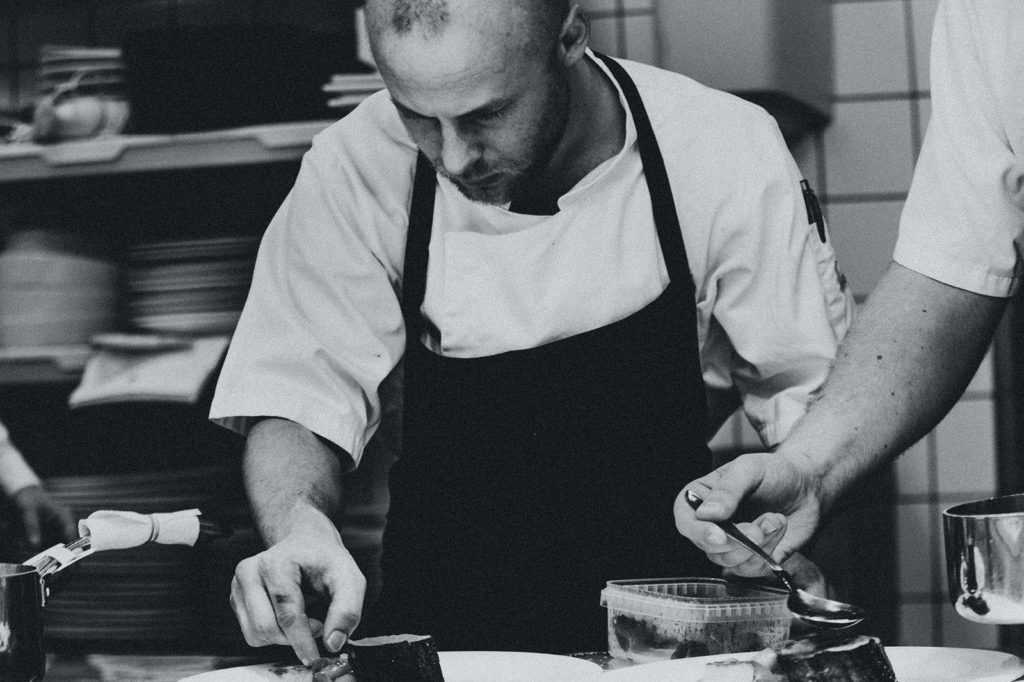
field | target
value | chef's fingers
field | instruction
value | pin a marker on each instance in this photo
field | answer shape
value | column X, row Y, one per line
column 730, row 484
column 770, row 529
column 347, row 591
column 282, row 581
column 707, row 536
column 316, row 627
column 252, row 607
column 33, row 530
column 65, row 523
column 737, row 559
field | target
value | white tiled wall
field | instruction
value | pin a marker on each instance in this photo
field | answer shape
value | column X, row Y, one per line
column 881, row 111
column 624, row 28
column 869, row 48
column 868, row 148
column 861, row 231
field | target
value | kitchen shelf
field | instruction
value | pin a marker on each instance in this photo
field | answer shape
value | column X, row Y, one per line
column 43, row 364
column 120, row 154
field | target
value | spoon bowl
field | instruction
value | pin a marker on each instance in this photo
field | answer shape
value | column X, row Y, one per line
column 819, row 611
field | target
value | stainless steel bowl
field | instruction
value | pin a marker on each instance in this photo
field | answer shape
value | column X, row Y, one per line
column 985, row 559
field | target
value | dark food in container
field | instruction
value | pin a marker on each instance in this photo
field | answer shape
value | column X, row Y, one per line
column 397, row 658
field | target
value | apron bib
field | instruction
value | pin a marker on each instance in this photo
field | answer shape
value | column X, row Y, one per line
column 530, row 478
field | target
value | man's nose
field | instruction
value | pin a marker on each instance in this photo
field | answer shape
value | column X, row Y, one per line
column 458, row 151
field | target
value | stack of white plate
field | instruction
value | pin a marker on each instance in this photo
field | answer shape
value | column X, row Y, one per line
column 346, row 90
column 189, row 287
column 93, row 70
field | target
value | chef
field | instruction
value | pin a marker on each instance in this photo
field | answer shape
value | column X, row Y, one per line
column 956, row 263
column 41, row 517
column 577, row 261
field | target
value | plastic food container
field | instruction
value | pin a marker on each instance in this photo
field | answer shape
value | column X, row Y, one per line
column 653, row 620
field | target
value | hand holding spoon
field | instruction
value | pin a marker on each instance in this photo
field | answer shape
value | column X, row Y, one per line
column 827, row 613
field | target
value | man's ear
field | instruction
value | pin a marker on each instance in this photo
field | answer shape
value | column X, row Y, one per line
column 574, row 36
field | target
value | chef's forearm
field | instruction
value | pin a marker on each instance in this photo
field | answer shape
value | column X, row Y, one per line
column 289, row 474
column 911, row 352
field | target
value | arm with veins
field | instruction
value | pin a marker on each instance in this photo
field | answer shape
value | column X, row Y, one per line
column 908, row 357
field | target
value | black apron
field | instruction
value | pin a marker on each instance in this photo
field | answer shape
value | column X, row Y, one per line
column 532, row 477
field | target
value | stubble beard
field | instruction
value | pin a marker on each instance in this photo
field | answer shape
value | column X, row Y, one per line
column 551, row 128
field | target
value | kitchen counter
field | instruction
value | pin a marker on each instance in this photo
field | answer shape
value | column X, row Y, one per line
column 104, row 667
column 139, row 668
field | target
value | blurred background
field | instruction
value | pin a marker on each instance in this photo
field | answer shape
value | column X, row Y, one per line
column 149, row 143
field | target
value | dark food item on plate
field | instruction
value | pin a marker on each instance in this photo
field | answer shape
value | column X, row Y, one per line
column 330, row 668
column 326, row 669
column 835, row 657
column 822, row 657
column 396, row 658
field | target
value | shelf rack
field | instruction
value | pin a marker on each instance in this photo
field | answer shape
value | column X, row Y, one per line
column 121, row 154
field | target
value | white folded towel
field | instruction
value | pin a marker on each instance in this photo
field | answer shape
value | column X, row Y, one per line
column 124, row 530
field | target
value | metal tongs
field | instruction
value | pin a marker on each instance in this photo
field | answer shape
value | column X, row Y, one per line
column 60, row 556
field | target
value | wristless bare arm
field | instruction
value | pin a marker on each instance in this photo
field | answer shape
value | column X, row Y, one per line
column 293, row 480
column 289, row 471
column 911, row 352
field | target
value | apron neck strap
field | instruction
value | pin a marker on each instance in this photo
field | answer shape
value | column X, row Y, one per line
column 421, row 210
column 417, row 243
column 662, row 201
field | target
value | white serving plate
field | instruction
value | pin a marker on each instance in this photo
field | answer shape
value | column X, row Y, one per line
column 457, row 666
column 910, row 663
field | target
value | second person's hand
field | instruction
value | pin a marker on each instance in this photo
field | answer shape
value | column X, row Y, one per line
column 44, row 519
column 267, row 591
column 779, row 497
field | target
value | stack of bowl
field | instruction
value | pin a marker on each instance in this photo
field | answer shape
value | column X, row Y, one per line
column 50, row 294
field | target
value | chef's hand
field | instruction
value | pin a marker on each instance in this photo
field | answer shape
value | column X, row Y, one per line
column 42, row 517
column 779, row 497
column 267, row 589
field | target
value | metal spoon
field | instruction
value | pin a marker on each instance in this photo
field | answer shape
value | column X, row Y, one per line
column 819, row 611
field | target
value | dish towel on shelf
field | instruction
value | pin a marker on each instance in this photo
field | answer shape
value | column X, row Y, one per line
column 169, row 375
column 124, row 529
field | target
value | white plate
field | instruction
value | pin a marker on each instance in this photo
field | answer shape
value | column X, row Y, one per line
column 457, row 666
column 910, row 663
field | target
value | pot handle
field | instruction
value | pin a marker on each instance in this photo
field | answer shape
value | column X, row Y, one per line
column 59, row 557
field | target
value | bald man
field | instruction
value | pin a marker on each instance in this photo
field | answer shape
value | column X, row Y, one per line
column 566, row 258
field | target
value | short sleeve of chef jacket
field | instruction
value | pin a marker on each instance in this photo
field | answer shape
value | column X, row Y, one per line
column 964, row 217
column 322, row 327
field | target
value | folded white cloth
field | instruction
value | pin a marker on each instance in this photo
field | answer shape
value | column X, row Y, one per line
column 123, row 529
column 175, row 375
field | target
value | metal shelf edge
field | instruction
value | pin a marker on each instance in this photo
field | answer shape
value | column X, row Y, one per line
column 139, row 153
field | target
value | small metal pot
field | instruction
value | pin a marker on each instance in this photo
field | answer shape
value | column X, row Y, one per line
column 985, row 559
column 22, row 591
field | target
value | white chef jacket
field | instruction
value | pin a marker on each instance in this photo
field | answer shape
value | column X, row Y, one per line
column 963, row 222
column 322, row 326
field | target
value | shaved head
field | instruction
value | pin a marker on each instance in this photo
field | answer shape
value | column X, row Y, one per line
column 482, row 86
column 541, row 19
